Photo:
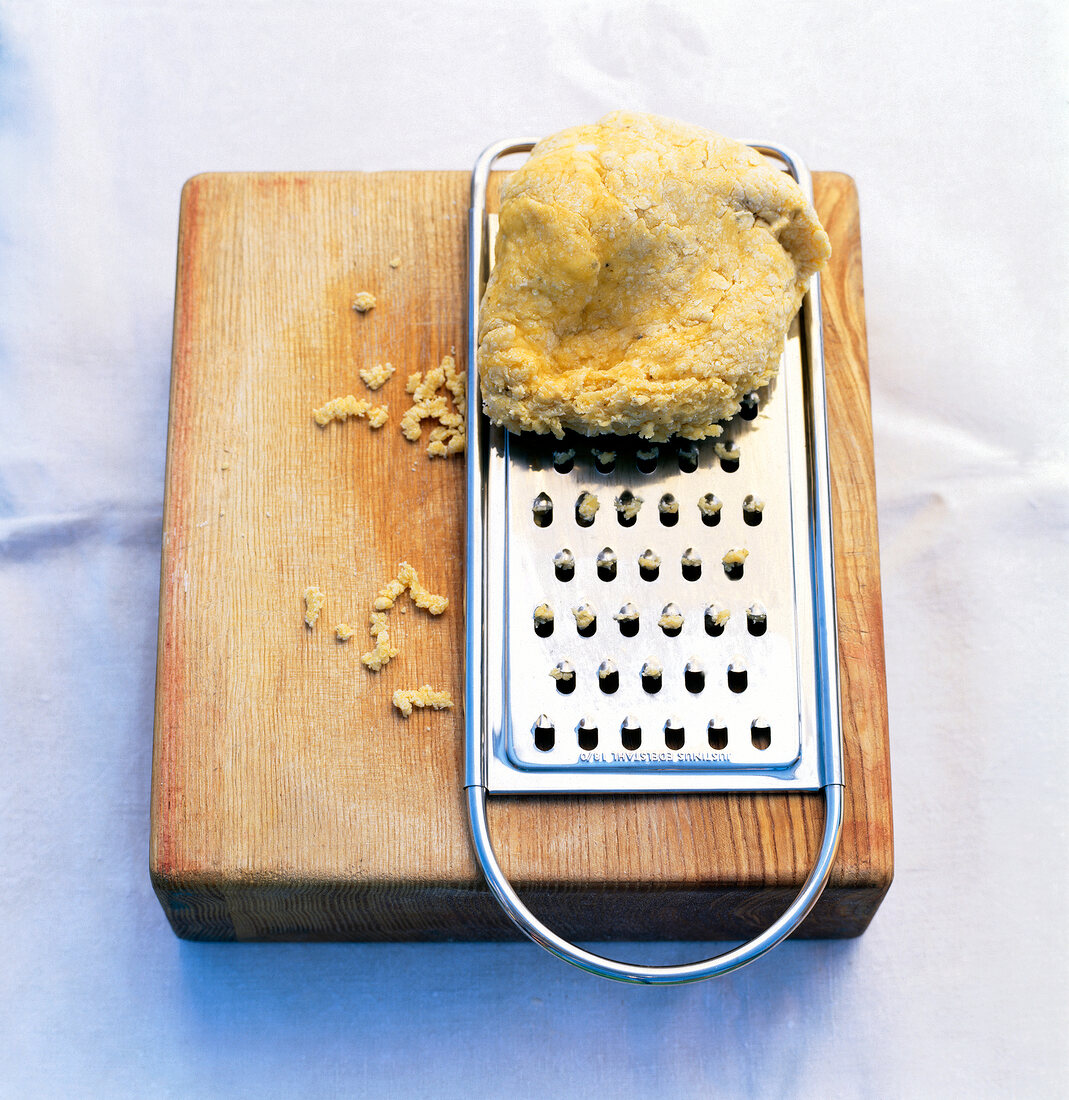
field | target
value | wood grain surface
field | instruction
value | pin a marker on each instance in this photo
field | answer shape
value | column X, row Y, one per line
column 289, row 798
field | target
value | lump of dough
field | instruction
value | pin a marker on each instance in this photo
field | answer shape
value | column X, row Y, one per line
column 646, row 274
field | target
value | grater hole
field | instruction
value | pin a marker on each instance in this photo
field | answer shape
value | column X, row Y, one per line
column 608, row 677
column 588, row 734
column 718, row 734
column 542, row 510
column 709, row 506
column 752, row 510
column 627, row 505
column 737, row 676
column 607, row 565
column 748, row 407
column 544, row 733
column 563, row 673
column 668, row 507
column 733, row 562
column 586, row 508
column 694, row 677
column 691, row 564
column 716, row 618
column 649, row 565
column 564, row 565
column 728, row 453
column 756, row 620
column 646, row 459
column 671, row 620
column 543, row 620
column 760, row 733
column 627, row 617
column 651, row 677
column 688, row 458
column 586, row 622
column 673, row 734
column 564, row 461
column 630, row 733
column 604, row 461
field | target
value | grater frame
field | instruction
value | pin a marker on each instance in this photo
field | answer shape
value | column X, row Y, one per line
column 499, row 754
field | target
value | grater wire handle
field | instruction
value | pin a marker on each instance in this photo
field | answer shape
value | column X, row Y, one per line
column 639, row 974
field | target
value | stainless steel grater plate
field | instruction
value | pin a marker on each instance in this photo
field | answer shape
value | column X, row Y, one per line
column 680, row 637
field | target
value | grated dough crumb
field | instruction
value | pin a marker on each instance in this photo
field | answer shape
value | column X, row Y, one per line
column 378, row 416
column 343, row 632
column 727, row 451
column 543, row 614
column 628, row 506
column 426, row 696
column 377, row 376
column 384, row 651
column 719, row 615
column 364, row 301
column 314, row 598
column 448, row 438
column 421, row 596
column 671, row 620
column 736, row 557
column 341, row 408
column 588, row 506
column 395, row 261
column 583, row 616
column 650, row 560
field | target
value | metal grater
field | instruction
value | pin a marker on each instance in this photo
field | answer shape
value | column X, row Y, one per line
column 668, row 664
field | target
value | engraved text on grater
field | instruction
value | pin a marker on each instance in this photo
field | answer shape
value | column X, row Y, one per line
column 665, row 757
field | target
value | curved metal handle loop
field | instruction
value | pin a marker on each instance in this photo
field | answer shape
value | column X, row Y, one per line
column 531, row 926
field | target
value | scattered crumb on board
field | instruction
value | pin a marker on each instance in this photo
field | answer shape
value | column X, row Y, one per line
column 426, row 696
column 429, row 403
column 314, row 598
column 407, row 579
column 364, row 301
column 341, row 408
column 375, row 377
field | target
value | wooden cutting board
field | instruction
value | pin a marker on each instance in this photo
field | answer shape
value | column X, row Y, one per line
column 290, row 800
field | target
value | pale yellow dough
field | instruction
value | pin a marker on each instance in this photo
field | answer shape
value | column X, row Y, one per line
column 646, row 273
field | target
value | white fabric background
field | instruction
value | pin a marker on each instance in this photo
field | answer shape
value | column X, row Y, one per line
column 953, row 120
